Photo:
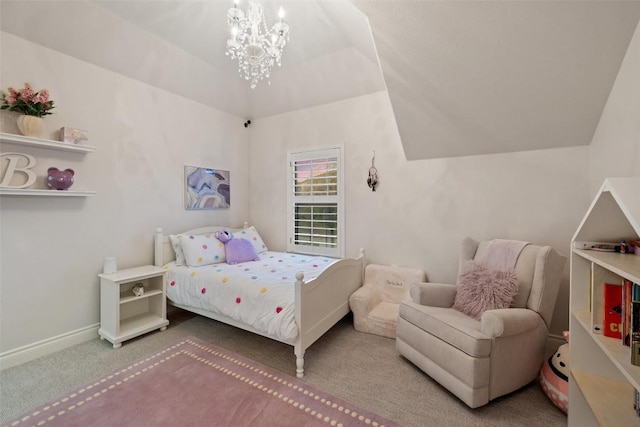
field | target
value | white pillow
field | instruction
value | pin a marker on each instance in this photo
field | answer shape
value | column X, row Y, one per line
column 251, row 234
column 175, row 244
column 202, row 250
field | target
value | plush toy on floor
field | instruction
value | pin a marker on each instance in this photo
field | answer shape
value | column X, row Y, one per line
column 554, row 376
column 236, row 250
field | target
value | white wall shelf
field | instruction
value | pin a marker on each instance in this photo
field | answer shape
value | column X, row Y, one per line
column 11, row 138
column 602, row 377
column 27, row 141
column 44, row 192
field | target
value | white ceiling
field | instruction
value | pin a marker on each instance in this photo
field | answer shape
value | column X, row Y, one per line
column 179, row 45
column 464, row 77
column 331, row 42
column 479, row 77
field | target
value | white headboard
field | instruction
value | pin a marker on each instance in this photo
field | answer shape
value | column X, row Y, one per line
column 163, row 251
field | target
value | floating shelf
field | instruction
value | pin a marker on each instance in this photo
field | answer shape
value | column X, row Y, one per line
column 28, row 141
column 11, row 138
column 43, row 192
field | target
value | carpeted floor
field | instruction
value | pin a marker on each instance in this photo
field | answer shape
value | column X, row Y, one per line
column 361, row 368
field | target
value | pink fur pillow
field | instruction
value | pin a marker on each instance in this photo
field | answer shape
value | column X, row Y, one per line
column 481, row 289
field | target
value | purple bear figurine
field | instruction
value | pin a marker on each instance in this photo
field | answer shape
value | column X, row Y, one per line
column 59, row 180
column 236, row 250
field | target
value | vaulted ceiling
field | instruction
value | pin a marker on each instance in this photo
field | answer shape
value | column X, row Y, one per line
column 478, row 77
column 464, row 77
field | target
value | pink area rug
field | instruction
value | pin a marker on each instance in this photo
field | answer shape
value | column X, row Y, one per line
column 194, row 383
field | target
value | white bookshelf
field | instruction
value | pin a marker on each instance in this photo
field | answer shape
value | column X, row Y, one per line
column 602, row 378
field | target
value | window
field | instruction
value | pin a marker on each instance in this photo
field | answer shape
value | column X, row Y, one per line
column 315, row 214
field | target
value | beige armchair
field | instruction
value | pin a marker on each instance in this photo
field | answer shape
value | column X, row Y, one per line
column 480, row 360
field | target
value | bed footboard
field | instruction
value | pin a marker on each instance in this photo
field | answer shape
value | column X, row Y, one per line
column 323, row 301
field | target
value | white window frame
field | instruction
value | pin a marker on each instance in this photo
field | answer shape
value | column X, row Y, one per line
column 292, row 200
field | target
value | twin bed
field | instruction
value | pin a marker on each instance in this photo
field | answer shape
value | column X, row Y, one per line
column 291, row 298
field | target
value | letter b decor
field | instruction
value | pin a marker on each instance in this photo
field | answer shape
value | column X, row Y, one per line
column 14, row 164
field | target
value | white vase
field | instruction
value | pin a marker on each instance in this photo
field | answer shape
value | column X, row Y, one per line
column 30, row 125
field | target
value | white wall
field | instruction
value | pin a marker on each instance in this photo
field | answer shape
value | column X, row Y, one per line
column 53, row 248
column 422, row 209
column 615, row 150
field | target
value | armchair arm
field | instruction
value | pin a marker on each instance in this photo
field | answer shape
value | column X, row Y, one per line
column 433, row 294
column 364, row 299
column 507, row 322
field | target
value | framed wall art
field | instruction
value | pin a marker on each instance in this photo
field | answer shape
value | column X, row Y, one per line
column 206, row 188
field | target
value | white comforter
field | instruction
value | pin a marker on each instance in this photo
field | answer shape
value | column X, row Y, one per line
column 257, row 293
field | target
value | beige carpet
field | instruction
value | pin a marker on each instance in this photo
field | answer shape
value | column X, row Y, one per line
column 361, row 368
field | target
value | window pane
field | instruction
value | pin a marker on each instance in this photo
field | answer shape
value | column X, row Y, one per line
column 316, row 224
column 316, row 177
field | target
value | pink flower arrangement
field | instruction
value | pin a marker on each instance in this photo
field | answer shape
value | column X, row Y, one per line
column 26, row 101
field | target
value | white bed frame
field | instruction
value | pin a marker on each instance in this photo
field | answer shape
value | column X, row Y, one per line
column 320, row 303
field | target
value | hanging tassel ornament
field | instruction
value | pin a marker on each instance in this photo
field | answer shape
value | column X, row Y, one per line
column 372, row 180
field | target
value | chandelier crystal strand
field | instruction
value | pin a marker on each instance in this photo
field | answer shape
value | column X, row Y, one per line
column 256, row 48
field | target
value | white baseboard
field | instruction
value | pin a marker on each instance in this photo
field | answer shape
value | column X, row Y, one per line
column 50, row 345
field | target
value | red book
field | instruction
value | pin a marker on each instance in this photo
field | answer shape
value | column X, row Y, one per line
column 612, row 325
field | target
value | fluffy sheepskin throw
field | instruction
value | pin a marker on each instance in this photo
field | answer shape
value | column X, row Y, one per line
column 481, row 289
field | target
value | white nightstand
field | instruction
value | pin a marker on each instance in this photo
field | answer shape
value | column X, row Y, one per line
column 122, row 314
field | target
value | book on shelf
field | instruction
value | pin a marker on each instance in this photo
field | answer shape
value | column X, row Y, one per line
column 612, row 302
column 627, row 287
column 635, row 332
column 597, row 301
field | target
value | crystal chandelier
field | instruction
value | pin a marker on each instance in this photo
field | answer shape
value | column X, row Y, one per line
column 257, row 48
